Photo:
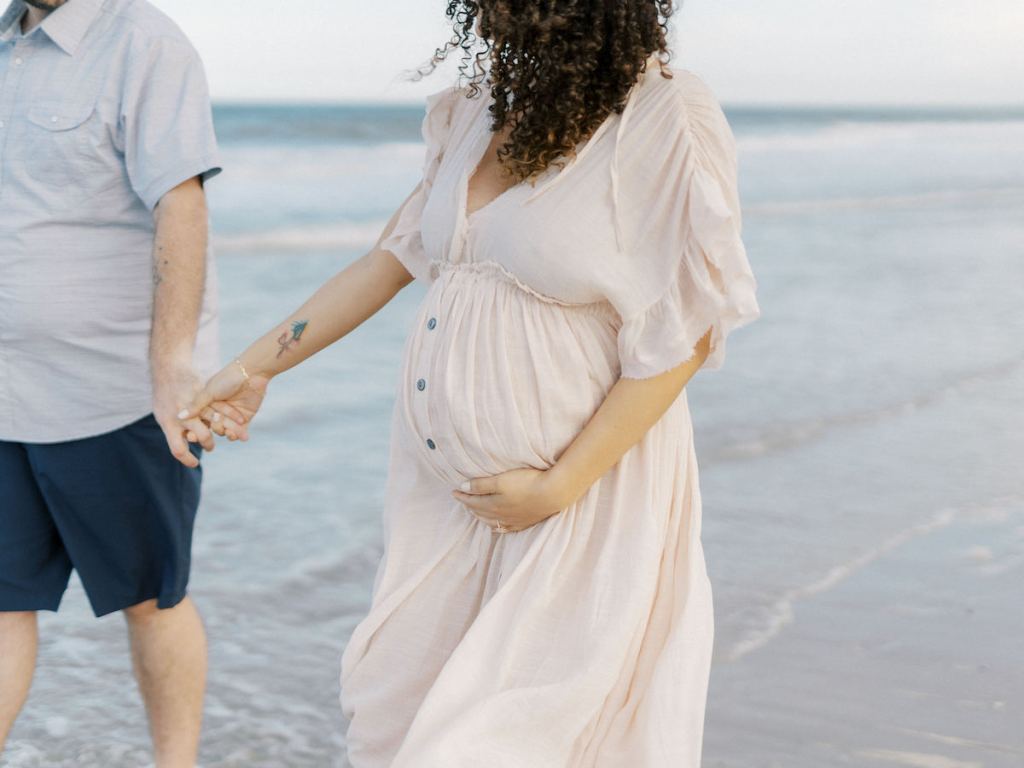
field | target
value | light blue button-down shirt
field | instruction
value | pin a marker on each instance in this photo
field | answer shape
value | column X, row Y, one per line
column 104, row 108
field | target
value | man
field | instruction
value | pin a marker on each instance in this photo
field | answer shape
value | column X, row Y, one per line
column 106, row 136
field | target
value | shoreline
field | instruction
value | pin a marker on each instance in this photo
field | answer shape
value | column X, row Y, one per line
column 914, row 652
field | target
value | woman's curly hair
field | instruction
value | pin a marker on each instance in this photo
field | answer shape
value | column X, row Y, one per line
column 556, row 69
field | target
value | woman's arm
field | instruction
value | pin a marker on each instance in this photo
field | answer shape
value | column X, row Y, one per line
column 523, row 497
column 339, row 306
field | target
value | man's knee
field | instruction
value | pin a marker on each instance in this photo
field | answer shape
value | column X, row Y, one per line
column 13, row 620
column 147, row 611
column 141, row 612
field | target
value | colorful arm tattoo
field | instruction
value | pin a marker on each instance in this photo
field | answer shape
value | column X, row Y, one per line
column 286, row 340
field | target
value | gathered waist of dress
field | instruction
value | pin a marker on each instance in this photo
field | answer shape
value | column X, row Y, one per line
column 492, row 270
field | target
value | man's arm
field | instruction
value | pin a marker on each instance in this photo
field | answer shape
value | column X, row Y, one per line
column 179, row 277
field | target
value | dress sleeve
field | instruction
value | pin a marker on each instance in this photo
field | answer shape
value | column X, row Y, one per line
column 405, row 240
column 685, row 269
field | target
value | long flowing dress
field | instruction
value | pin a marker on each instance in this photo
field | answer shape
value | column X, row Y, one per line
column 584, row 641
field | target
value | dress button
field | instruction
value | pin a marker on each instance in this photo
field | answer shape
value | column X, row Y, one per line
column 421, row 384
column 431, row 323
column 431, row 444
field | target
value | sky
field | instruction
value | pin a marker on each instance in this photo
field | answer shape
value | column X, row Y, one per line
column 900, row 52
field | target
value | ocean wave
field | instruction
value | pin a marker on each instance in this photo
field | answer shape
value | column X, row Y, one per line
column 344, row 235
column 845, row 134
column 994, row 195
column 783, row 437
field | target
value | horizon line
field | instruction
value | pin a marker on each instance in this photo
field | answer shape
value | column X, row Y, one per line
column 782, row 104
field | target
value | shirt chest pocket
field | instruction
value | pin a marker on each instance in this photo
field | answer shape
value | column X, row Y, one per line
column 66, row 145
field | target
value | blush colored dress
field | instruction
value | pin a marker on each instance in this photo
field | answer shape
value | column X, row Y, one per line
column 584, row 641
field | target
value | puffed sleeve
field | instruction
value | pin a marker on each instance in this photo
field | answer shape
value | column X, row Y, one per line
column 405, row 240
column 684, row 268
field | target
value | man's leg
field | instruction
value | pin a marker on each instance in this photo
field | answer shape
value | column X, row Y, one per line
column 169, row 659
column 19, row 641
column 125, row 509
column 34, row 571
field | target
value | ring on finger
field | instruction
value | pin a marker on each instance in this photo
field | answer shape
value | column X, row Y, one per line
column 213, row 420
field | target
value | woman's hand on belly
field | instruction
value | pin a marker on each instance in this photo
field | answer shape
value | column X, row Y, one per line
column 520, row 498
column 517, row 499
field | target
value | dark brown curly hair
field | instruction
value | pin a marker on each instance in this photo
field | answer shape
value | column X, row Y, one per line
column 556, row 69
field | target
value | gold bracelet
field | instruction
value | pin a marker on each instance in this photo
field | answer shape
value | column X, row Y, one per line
column 241, row 367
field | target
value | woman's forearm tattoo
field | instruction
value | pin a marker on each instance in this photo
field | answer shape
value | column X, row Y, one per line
column 287, row 339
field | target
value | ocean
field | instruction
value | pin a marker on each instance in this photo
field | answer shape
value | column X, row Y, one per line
column 861, row 453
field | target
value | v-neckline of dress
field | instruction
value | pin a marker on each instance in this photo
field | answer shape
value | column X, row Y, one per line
column 471, row 171
column 549, row 176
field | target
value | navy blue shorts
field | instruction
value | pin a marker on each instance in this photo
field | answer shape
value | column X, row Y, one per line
column 118, row 508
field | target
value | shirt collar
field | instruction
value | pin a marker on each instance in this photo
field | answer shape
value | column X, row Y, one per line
column 66, row 26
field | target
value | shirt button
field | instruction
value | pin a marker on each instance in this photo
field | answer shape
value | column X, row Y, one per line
column 431, row 444
column 54, row 119
column 18, row 61
column 431, row 323
column 421, row 384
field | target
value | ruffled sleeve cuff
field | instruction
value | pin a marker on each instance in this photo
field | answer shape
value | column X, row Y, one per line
column 405, row 240
column 713, row 288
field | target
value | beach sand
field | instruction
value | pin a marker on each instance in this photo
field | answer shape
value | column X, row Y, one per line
column 911, row 659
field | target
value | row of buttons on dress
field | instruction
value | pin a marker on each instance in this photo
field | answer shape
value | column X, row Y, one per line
column 421, row 384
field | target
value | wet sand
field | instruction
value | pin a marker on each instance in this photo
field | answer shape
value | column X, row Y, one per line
column 915, row 658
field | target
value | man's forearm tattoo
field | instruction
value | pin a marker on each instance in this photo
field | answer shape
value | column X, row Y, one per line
column 287, row 339
column 159, row 262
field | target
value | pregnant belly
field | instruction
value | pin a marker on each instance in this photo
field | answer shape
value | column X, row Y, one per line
column 497, row 378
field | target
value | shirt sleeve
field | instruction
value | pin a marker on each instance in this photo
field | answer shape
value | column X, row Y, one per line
column 167, row 120
column 684, row 267
column 405, row 240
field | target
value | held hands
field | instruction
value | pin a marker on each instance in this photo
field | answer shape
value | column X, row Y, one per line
column 227, row 403
column 173, row 385
column 517, row 499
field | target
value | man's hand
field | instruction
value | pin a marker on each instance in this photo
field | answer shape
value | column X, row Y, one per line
column 173, row 389
column 517, row 499
column 228, row 402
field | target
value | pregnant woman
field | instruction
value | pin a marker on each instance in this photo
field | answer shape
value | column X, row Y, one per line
column 543, row 599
